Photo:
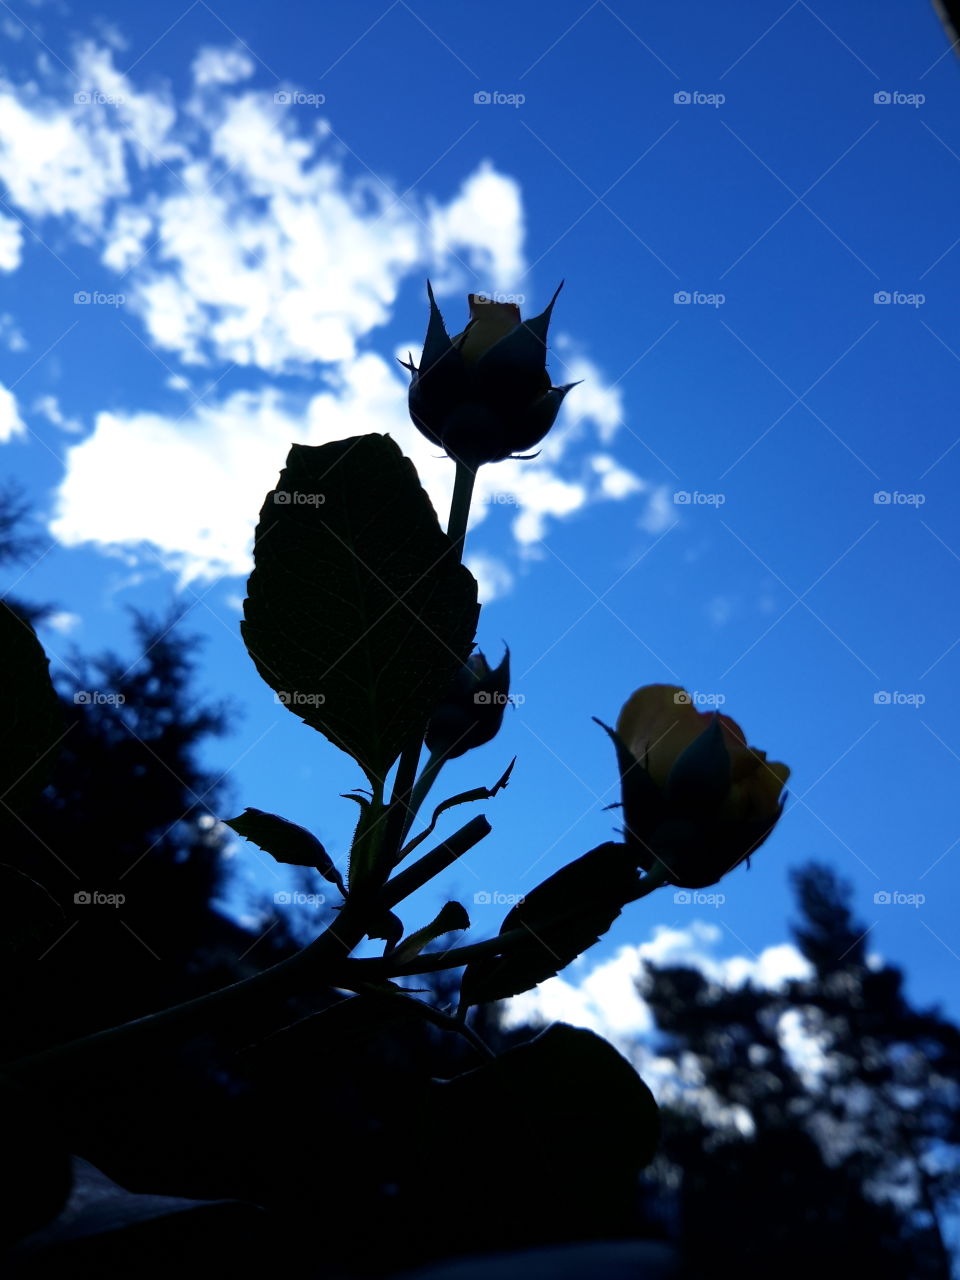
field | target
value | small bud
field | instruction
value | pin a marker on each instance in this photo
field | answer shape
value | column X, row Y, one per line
column 485, row 394
column 471, row 712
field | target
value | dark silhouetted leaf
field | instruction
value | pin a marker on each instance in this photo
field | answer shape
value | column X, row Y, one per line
column 452, row 916
column 388, row 926
column 563, row 916
column 285, row 841
column 568, row 1100
column 358, row 613
column 465, row 797
column 31, row 721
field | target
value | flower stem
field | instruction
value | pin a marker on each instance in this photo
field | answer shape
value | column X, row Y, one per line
column 407, row 795
column 428, row 777
column 460, row 506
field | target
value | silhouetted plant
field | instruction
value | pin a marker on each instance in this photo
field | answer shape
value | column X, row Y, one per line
column 362, row 618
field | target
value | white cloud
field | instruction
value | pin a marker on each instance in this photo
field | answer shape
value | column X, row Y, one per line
column 485, row 224
column 10, row 335
column 298, row 277
column 659, row 513
column 11, row 243
column 604, row 999
column 143, row 120
column 804, row 1048
column 594, row 401
column 49, row 407
column 219, row 66
column 127, row 239
column 57, row 162
column 493, row 576
column 615, row 481
column 256, row 243
column 11, row 424
column 205, row 474
column 63, row 622
column 544, row 495
column 193, row 494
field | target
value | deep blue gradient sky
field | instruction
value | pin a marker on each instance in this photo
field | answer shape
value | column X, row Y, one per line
column 739, row 156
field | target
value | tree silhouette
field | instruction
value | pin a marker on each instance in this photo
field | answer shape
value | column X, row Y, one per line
column 846, row 1160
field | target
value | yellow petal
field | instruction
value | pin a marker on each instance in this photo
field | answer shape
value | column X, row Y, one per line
column 489, row 322
column 657, row 723
column 755, row 795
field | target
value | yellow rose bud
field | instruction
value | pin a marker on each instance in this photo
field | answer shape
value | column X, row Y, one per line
column 697, row 798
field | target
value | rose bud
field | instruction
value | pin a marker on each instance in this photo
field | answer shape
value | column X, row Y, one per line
column 471, row 712
column 697, row 800
column 485, row 394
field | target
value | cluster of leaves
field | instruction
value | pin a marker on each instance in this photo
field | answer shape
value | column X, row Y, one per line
column 360, row 616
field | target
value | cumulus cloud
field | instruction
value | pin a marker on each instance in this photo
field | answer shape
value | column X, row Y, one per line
column 53, row 162
column 11, row 244
column 603, row 997
column 71, row 160
column 49, row 407
column 11, row 424
column 494, row 577
column 10, row 334
column 485, row 223
column 192, row 486
column 214, row 65
column 255, row 242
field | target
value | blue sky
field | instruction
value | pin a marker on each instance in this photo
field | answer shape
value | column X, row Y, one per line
column 754, row 211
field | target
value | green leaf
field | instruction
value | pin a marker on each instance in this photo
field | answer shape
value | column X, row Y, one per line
column 31, row 719
column 285, row 841
column 358, row 614
column 451, row 917
column 563, row 916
